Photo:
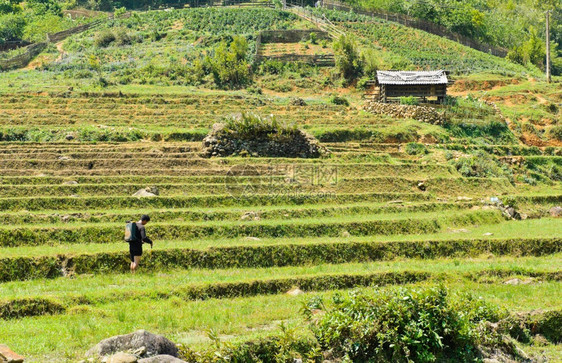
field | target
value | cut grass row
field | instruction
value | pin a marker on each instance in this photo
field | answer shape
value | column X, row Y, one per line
column 131, row 150
column 224, row 200
column 66, row 337
column 530, row 229
column 23, row 307
column 274, row 184
column 104, row 287
column 268, row 255
column 225, row 214
column 363, row 225
column 174, row 167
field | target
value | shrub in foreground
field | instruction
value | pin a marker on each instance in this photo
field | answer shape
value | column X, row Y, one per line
column 404, row 325
column 397, row 325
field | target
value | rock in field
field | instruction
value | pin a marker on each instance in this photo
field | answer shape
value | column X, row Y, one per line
column 250, row 216
column 154, row 344
column 295, row 292
column 556, row 211
column 249, row 238
column 164, row 358
column 519, row 281
column 122, row 358
column 6, row 355
column 146, row 192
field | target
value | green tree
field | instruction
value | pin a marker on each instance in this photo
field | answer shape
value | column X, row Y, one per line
column 532, row 51
column 228, row 64
column 11, row 27
column 9, row 6
column 349, row 62
column 42, row 7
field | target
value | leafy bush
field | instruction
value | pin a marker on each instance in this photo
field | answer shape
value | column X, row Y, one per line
column 482, row 165
column 413, row 148
column 555, row 132
column 42, row 7
column 228, row 64
column 370, row 63
column 104, row 39
column 532, row 51
column 362, row 83
column 410, row 100
column 348, row 60
column 404, row 325
column 11, row 27
column 250, row 126
column 9, row 7
column 339, row 100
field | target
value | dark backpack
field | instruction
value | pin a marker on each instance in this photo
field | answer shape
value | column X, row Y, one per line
column 131, row 232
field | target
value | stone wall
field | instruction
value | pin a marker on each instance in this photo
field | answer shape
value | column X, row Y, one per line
column 421, row 113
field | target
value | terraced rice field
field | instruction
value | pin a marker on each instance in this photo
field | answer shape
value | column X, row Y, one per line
column 233, row 235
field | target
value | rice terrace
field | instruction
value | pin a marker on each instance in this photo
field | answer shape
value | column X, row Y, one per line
column 273, row 181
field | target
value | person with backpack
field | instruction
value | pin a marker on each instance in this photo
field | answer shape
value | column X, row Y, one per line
column 135, row 234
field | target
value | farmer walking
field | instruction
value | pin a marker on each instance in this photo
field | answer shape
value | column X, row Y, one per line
column 135, row 234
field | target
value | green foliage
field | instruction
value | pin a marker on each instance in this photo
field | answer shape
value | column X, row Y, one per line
column 413, row 148
column 400, row 47
column 9, row 6
column 313, row 38
column 120, row 11
column 555, row 132
column 283, row 347
column 250, row 126
column 28, row 307
column 404, row 325
column 370, row 63
column 532, row 51
column 482, row 165
column 228, row 64
column 11, row 27
column 38, row 26
column 362, row 83
column 410, row 100
column 501, row 23
column 104, row 39
column 348, row 59
column 339, row 100
column 42, row 7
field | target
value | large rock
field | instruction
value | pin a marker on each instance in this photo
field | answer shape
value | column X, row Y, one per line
column 6, row 355
column 154, row 344
column 556, row 211
column 147, row 192
column 164, row 358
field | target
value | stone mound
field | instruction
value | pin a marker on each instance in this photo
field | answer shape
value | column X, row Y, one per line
column 298, row 144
